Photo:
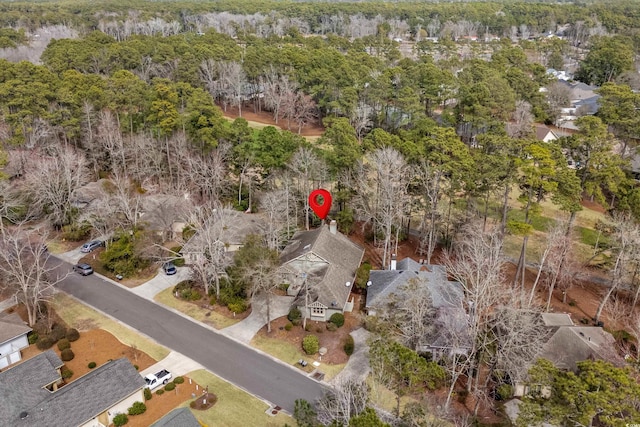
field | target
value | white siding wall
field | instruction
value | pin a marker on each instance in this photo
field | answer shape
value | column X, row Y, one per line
column 10, row 350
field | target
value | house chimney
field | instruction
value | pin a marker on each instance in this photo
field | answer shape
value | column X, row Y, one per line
column 393, row 262
column 333, row 227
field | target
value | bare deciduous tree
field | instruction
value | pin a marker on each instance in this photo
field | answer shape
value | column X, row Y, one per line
column 52, row 180
column 309, row 169
column 627, row 238
column 382, row 194
column 477, row 263
column 347, row 398
column 276, row 205
column 25, row 270
column 213, row 226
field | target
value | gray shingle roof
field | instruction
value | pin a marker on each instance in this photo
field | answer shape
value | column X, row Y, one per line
column 12, row 326
column 79, row 401
column 22, row 386
column 444, row 293
column 181, row 417
column 343, row 256
column 572, row 344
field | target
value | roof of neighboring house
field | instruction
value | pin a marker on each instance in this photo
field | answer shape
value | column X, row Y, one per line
column 342, row 256
column 244, row 224
column 12, row 326
column 556, row 319
column 572, row 344
column 22, row 386
column 79, row 401
column 89, row 192
column 161, row 211
column 444, row 293
column 181, row 417
column 542, row 132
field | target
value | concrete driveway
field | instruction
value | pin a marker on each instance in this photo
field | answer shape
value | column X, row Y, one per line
column 245, row 330
column 176, row 363
column 161, row 282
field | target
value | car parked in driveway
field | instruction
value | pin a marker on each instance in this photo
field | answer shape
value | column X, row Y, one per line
column 92, row 245
column 82, row 268
column 169, row 268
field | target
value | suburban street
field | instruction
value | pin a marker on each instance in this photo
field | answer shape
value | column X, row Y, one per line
column 237, row 363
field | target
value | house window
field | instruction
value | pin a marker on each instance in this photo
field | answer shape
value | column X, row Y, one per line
column 317, row 311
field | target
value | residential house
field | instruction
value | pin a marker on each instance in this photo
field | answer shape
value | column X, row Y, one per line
column 320, row 267
column 13, row 338
column 544, row 134
column 584, row 101
column 569, row 344
column 165, row 214
column 232, row 235
column 181, row 417
column 447, row 298
column 34, row 394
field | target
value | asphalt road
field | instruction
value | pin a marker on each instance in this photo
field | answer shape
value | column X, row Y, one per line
column 240, row 365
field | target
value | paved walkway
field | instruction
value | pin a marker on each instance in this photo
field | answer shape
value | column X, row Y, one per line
column 244, row 330
column 358, row 365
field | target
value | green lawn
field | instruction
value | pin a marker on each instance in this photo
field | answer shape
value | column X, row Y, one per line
column 193, row 310
column 235, row 407
column 80, row 316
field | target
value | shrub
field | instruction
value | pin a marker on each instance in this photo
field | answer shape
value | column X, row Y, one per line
column 462, row 395
column 288, row 326
column 66, row 373
column 170, row 386
column 296, row 322
column 307, row 327
column 337, row 319
column 121, row 257
column 331, row 327
column 58, row 332
column 294, row 314
column 179, row 260
column 32, row 337
column 190, row 295
column 137, row 408
column 73, row 335
column 67, row 355
column 310, row 344
column 237, row 305
column 159, row 392
column 147, row 394
column 64, row 344
column 136, row 367
column 504, row 392
column 91, row 365
column 45, row 342
column 349, row 345
column 120, row 420
column 213, row 300
column 76, row 232
column 178, row 380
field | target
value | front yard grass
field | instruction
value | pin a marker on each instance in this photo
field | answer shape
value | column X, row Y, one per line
column 193, row 310
column 234, row 407
column 290, row 354
column 82, row 317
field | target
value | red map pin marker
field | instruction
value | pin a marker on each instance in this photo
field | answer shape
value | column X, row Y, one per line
column 322, row 210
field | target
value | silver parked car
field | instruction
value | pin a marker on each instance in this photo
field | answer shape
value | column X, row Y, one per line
column 90, row 246
column 83, row 269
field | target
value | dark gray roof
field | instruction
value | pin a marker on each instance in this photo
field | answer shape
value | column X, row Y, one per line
column 343, row 258
column 12, row 326
column 556, row 319
column 22, row 386
column 181, row 417
column 572, row 344
column 83, row 399
column 444, row 293
column 242, row 225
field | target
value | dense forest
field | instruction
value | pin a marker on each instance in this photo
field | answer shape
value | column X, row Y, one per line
column 429, row 112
